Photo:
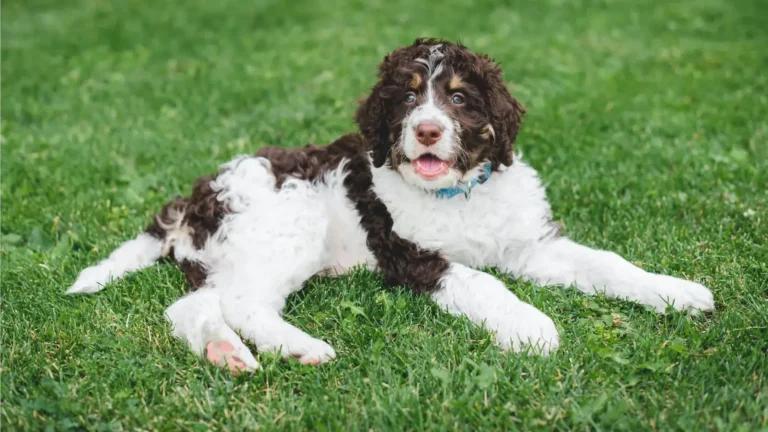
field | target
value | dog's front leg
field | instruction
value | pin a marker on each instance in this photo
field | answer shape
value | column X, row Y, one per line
column 488, row 302
column 463, row 291
column 561, row 261
column 456, row 288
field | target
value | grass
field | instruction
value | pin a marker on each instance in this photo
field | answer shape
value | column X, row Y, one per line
column 647, row 120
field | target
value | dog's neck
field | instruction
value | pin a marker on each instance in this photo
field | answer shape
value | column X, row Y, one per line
column 465, row 185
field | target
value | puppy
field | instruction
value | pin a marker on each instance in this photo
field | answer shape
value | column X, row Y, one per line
column 428, row 191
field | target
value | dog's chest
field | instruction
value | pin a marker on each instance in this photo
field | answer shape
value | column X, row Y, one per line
column 465, row 230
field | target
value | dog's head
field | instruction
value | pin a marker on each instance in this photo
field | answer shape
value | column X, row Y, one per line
column 439, row 113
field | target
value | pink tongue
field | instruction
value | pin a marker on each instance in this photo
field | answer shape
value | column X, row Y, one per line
column 430, row 165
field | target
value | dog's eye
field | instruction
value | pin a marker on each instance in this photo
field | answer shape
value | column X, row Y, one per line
column 457, row 99
column 410, row 98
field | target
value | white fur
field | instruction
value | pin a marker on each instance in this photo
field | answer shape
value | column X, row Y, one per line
column 132, row 255
column 486, row 301
column 565, row 263
column 505, row 224
column 266, row 249
column 275, row 240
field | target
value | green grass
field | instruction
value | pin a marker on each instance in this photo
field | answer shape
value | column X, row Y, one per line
column 647, row 120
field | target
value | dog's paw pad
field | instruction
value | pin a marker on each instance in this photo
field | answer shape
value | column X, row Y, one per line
column 316, row 353
column 224, row 354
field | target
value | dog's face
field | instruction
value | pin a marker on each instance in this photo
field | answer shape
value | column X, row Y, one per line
column 439, row 113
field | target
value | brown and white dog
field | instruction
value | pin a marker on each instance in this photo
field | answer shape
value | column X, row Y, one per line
column 429, row 190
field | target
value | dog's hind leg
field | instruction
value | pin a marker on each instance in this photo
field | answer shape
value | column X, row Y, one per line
column 197, row 319
column 263, row 325
column 282, row 248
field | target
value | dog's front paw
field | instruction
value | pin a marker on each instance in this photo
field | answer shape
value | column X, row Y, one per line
column 306, row 349
column 526, row 328
column 318, row 352
column 681, row 294
column 485, row 300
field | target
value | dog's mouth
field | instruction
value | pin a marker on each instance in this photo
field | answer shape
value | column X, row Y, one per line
column 430, row 167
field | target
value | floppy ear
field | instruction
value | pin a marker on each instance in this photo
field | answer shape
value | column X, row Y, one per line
column 372, row 119
column 506, row 114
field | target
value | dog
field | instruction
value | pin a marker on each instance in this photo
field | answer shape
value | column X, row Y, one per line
column 430, row 189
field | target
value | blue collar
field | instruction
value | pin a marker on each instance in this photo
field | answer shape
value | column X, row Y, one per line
column 465, row 188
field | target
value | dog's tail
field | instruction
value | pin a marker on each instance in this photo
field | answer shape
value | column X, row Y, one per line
column 136, row 254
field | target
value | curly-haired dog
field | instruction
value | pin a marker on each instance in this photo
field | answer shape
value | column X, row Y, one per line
column 429, row 190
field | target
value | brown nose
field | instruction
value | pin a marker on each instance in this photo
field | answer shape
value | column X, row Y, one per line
column 428, row 133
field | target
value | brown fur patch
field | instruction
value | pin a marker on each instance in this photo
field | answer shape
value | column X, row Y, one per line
column 311, row 162
column 402, row 262
column 204, row 211
column 197, row 216
column 195, row 274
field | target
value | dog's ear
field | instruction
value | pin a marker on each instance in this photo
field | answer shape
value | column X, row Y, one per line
column 372, row 119
column 506, row 112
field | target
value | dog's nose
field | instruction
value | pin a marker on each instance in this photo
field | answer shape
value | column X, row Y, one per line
column 428, row 133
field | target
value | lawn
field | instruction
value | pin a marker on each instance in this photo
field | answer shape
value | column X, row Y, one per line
column 647, row 120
